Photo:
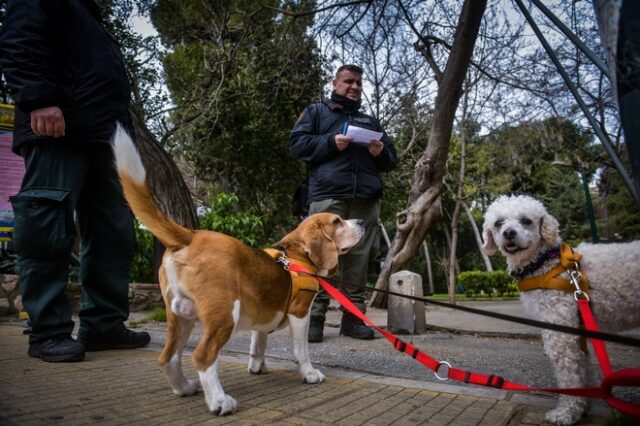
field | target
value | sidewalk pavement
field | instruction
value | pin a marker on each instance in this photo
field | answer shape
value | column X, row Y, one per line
column 127, row 387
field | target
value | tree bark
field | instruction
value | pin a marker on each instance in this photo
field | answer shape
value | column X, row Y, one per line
column 427, row 259
column 424, row 199
column 168, row 187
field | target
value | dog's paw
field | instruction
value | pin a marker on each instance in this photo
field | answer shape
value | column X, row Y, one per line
column 564, row 416
column 223, row 404
column 256, row 366
column 191, row 388
column 312, row 376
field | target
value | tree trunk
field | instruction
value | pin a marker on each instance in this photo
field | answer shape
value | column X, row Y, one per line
column 169, row 189
column 476, row 233
column 427, row 259
column 424, row 199
column 385, row 234
column 447, row 250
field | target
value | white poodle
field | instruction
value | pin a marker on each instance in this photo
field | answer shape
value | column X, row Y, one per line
column 520, row 227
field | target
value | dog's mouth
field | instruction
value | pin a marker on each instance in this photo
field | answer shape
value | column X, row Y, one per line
column 512, row 248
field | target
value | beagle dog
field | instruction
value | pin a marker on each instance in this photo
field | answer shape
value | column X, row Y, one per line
column 230, row 286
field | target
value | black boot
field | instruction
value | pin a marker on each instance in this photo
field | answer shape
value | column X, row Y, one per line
column 123, row 339
column 353, row 326
column 56, row 349
column 316, row 329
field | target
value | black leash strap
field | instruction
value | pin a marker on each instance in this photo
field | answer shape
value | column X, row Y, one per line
column 609, row 337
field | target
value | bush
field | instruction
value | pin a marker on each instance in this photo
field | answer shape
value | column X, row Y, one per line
column 477, row 282
column 142, row 263
column 223, row 218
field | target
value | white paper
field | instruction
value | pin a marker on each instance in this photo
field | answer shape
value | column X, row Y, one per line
column 362, row 135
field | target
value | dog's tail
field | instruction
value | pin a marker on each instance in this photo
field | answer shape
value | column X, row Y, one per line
column 136, row 190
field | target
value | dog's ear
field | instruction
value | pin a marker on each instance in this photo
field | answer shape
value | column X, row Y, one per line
column 489, row 247
column 321, row 249
column 549, row 229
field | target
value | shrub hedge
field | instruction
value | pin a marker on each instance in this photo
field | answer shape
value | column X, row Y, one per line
column 476, row 283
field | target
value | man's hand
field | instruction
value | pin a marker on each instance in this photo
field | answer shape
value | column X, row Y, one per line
column 47, row 121
column 342, row 142
column 375, row 147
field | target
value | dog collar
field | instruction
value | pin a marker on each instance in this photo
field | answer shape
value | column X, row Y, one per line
column 552, row 253
column 569, row 262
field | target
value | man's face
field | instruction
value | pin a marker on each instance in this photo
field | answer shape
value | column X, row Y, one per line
column 348, row 84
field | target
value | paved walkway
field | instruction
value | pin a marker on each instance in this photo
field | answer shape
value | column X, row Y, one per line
column 127, row 387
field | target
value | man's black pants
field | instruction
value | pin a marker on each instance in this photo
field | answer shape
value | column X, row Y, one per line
column 63, row 182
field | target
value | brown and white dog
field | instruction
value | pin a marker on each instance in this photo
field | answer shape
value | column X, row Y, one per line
column 229, row 286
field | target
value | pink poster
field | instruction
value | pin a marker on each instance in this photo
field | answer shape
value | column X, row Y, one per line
column 11, row 171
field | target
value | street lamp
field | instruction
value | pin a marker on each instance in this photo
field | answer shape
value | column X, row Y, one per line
column 587, row 196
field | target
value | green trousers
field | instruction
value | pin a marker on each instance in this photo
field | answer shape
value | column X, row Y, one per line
column 353, row 265
column 63, row 183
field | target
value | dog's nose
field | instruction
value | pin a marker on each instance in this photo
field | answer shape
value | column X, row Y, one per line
column 509, row 234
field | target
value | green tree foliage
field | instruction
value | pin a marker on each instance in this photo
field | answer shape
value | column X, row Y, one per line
column 223, row 218
column 519, row 159
column 239, row 74
column 142, row 57
column 141, row 265
column 619, row 216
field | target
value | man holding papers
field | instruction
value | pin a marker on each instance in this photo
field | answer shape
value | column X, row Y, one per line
column 345, row 151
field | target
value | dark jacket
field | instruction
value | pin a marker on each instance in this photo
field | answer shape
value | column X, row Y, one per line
column 57, row 53
column 352, row 173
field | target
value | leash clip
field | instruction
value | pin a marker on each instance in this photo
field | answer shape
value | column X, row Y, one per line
column 576, row 276
column 284, row 261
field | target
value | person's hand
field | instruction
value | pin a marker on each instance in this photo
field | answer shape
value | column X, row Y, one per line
column 342, row 142
column 375, row 147
column 47, row 121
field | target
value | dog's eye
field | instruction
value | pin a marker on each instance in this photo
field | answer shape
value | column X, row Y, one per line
column 337, row 221
column 499, row 223
column 526, row 221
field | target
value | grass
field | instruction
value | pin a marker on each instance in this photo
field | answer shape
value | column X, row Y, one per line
column 158, row 314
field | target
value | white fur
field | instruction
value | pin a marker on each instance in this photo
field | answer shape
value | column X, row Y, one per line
column 257, row 362
column 173, row 369
column 127, row 157
column 179, row 384
column 521, row 228
column 217, row 401
column 299, row 335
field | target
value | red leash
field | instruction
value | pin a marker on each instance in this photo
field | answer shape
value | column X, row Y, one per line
column 626, row 377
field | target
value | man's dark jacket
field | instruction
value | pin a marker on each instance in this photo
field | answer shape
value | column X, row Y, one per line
column 57, row 53
column 352, row 173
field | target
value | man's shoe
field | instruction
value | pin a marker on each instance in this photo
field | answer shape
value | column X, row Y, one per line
column 316, row 329
column 353, row 326
column 56, row 349
column 124, row 339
